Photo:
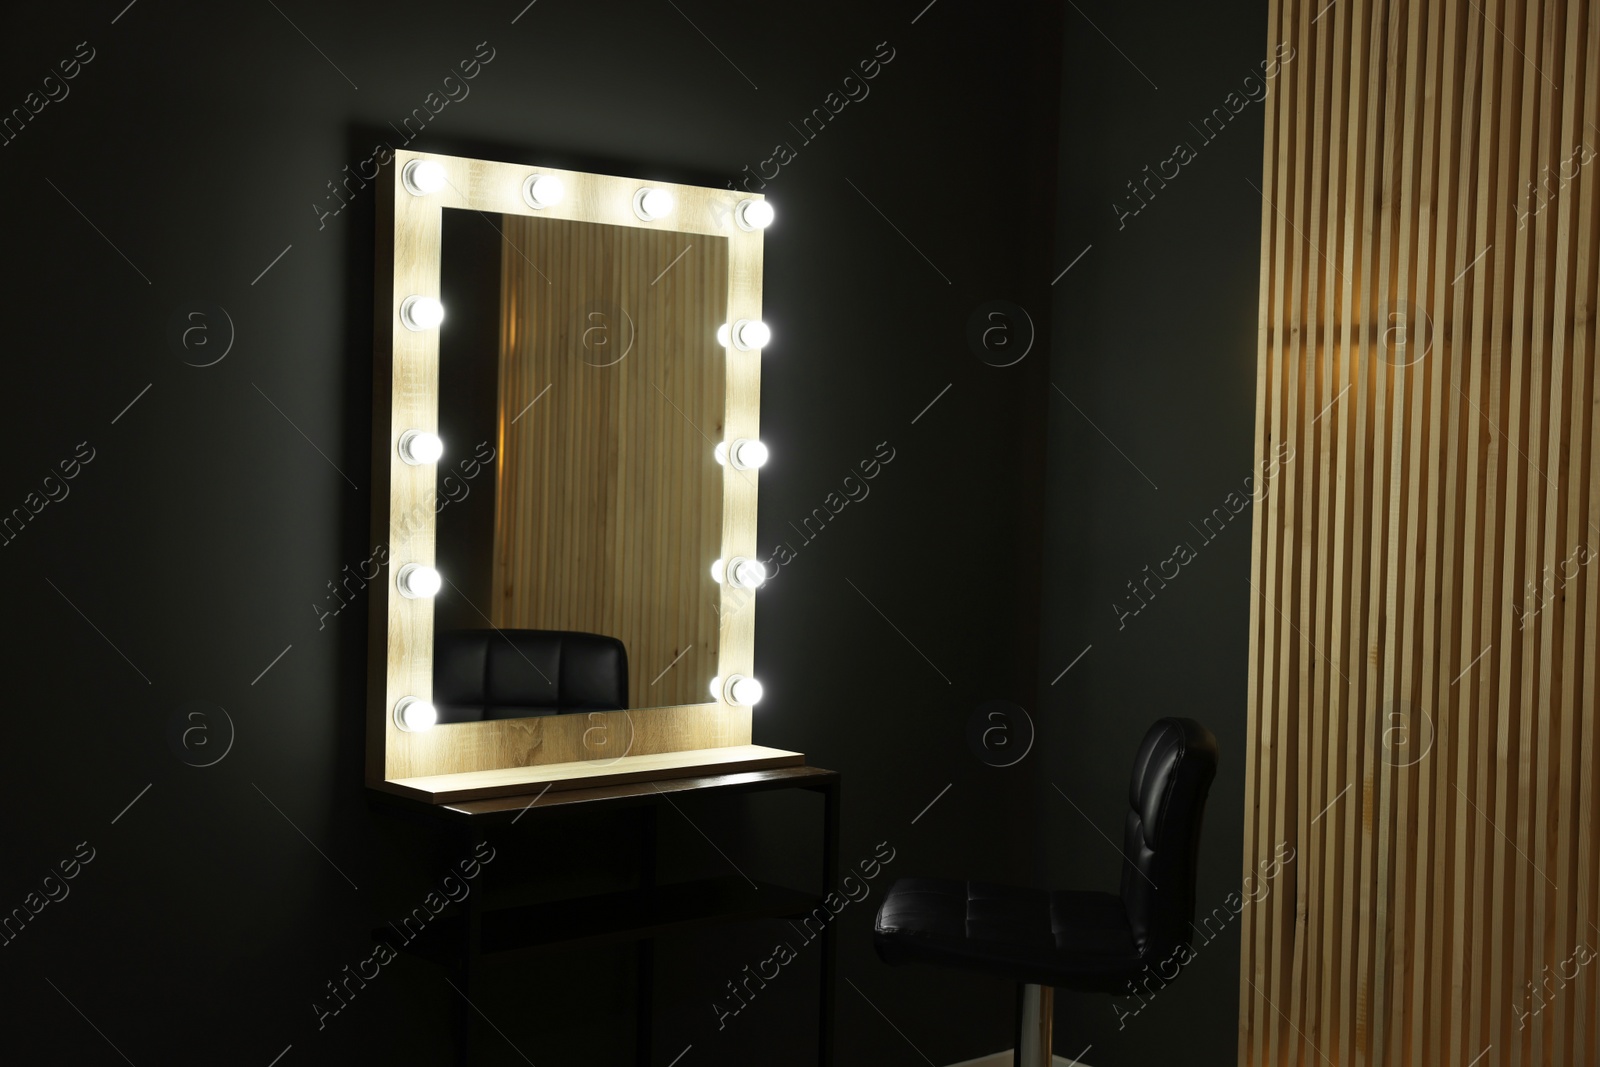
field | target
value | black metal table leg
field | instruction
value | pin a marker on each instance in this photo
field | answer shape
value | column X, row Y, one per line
column 470, row 954
column 645, row 950
column 830, row 883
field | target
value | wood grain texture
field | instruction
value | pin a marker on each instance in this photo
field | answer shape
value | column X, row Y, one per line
column 405, row 396
column 511, row 781
column 1426, row 558
column 617, row 794
column 609, row 501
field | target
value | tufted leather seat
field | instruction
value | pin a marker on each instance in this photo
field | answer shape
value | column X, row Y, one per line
column 512, row 674
column 1086, row 941
column 1070, row 939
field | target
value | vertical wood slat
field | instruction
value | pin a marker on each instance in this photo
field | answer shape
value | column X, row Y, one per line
column 1253, row 935
column 1484, row 461
column 1426, row 605
column 1579, row 680
column 1435, row 1001
column 1460, row 557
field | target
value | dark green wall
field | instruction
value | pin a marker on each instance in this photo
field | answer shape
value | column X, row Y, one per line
column 1151, row 410
column 188, row 169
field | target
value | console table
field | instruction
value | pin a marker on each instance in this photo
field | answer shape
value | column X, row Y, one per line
column 475, row 930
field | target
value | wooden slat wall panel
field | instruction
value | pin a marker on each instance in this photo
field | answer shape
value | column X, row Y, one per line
column 609, row 505
column 1426, row 577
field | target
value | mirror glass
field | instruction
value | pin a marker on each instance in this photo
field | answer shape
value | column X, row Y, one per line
column 581, row 396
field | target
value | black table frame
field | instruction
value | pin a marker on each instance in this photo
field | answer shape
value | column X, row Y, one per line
column 655, row 909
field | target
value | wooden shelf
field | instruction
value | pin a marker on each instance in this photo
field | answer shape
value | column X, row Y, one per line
column 527, row 808
column 627, row 794
column 514, row 781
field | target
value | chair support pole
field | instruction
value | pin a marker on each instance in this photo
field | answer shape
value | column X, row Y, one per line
column 1035, row 1015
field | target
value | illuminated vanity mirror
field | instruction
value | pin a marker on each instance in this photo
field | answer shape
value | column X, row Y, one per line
column 566, row 438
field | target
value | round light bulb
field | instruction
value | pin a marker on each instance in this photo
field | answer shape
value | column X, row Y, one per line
column 716, row 688
column 720, row 453
column 753, row 214
column 651, row 204
column 750, row 334
column 423, row 176
column 747, row 454
column 413, row 715
column 743, row 691
column 421, row 313
column 724, row 335
column 717, row 570
column 418, row 581
column 418, row 447
column 543, row 190
column 746, row 573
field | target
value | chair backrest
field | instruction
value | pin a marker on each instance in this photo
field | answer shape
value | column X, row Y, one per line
column 1172, row 776
column 512, row 674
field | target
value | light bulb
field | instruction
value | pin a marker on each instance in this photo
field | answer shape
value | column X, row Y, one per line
column 421, row 313
column 650, row 204
column 745, row 573
column 423, row 176
column 743, row 691
column 753, row 214
column 419, row 447
column 418, row 581
column 723, row 335
column 716, row 688
column 717, row 571
column 543, row 190
column 747, row 454
column 750, row 334
column 413, row 715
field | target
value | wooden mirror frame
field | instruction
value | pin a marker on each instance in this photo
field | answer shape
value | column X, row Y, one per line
column 510, row 756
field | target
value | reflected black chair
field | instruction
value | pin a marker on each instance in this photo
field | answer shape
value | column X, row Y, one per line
column 513, row 674
column 1081, row 941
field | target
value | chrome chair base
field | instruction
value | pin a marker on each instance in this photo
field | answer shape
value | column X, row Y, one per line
column 1035, row 1014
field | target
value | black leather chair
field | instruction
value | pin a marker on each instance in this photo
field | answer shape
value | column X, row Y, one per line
column 512, row 674
column 1082, row 941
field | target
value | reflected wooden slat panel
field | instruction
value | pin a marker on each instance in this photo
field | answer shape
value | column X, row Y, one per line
column 610, row 502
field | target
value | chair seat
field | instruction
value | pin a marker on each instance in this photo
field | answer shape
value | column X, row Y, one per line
column 1068, row 939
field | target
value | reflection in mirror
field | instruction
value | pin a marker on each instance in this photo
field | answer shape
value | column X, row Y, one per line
column 581, row 397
